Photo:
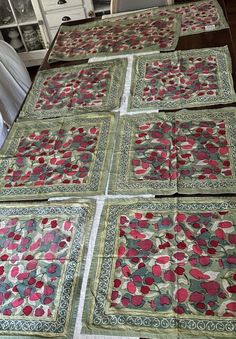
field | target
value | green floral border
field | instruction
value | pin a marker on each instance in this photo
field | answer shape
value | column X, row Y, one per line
column 54, row 56
column 95, row 318
column 225, row 80
column 99, row 172
column 63, row 326
column 120, row 182
column 111, row 101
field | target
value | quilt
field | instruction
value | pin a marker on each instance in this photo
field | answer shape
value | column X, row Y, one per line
column 186, row 152
column 164, row 268
column 57, row 157
column 41, row 267
column 76, row 89
column 181, row 79
column 107, row 37
column 196, row 17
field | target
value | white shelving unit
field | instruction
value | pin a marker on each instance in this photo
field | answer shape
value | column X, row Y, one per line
column 101, row 6
column 22, row 25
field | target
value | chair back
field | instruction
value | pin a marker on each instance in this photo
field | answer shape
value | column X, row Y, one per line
column 3, row 131
column 132, row 5
column 14, row 82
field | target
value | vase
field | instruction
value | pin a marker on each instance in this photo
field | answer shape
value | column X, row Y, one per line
column 31, row 38
column 15, row 41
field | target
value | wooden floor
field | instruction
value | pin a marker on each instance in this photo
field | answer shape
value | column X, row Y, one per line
column 33, row 71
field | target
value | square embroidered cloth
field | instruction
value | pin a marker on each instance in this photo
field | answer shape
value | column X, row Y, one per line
column 196, row 17
column 57, row 157
column 108, row 37
column 193, row 78
column 177, row 152
column 164, row 268
column 76, row 89
column 41, row 266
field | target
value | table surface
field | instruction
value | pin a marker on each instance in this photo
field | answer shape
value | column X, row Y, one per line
column 203, row 40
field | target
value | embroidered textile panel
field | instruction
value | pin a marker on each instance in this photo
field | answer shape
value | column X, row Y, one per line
column 59, row 157
column 180, row 79
column 177, row 152
column 164, row 266
column 76, row 89
column 41, row 266
column 196, row 17
column 107, row 37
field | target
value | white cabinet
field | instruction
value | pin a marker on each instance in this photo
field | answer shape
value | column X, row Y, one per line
column 22, row 25
column 58, row 11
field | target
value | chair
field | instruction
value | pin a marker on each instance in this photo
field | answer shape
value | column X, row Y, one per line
column 14, row 82
column 3, row 131
column 132, row 5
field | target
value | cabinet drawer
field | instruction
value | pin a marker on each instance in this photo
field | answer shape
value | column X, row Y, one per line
column 55, row 19
column 49, row 5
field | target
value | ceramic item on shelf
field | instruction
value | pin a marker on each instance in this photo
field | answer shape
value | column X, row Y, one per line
column 15, row 41
column 29, row 8
column 31, row 38
column 19, row 6
column 23, row 9
column 6, row 14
